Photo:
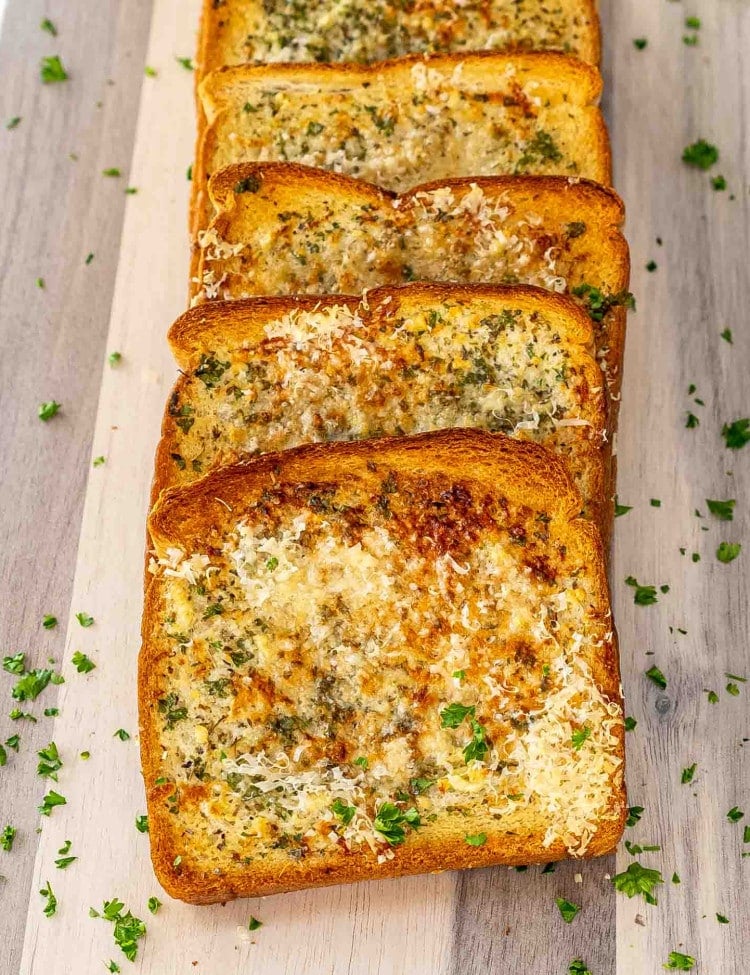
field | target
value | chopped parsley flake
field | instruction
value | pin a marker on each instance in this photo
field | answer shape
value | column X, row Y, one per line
column 82, row 663
column 122, row 734
column 47, row 410
column 114, row 358
column 52, row 70
column 638, row 880
column 85, row 620
column 700, row 154
column 48, row 26
column 599, row 303
column 718, row 183
column 49, row 622
column 737, row 433
column 50, row 908
column 128, row 929
column 567, row 910
column 735, row 814
column 476, row 839
column 453, row 715
column 63, row 859
column 680, row 962
column 644, row 595
column 15, row 664
column 688, row 773
column 51, row 800
column 658, row 678
column 579, row 737
column 141, row 824
column 13, row 123
column 50, row 762
column 391, row 821
column 112, row 171
column 630, row 724
column 621, row 509
column 154, row 904
column 99, row 461
column 727, row 335
column 723, row 510
column 713, row 697
column 6, row 838
column 187, row 63
column 31, row 685
column 150, row 72
column 651, row 266
column 639, row 43
column 344, row 812
column 728, row 552
column 722, row 919
column 253, row 924
column 634, row 815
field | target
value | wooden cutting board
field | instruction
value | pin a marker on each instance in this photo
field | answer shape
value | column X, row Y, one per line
column 493, row 921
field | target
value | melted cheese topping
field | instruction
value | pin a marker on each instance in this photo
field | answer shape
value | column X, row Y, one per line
column 398, row 134
column 311, row 656
column 339, row 373
column 371, row 30
column 340, row 245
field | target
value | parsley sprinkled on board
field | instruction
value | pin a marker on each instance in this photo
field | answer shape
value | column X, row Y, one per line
column 638, row 880
column 691, row 421
column 728, row 552
column 723, row 510
column 128, row 929
column 141, row 824
column 713, row 697
column 621, row 509
column 735, row 814
column 693, row 23
column 680, row 962
column 99, row 461
column 644, row 595
column 63, row 860
column 577, row 967
column 50, row 908
column 13, row 123
column 722, row 919
column 49, row 27
column 700, row 154
column 154, row 904
column 651, row 266
column 676, row 878
column 634, row 815
column 253, row 924
column 718, row 183
column 737, row 433
column 52, row 70
column 7, row 837
column 727, row 335
column 187, row 63
column 391, row 822
column 89, row 259
column 82, row 663
column 122, row 734
column 639, row 43
column 476, row 839
column 655, row 502
column 85, row 620
column 114, row 358
column 112, row 966
column 15, row 664
column 150, row 72
column 51, row 800
column 48, row 410
column 49, row 622
column 655, row 675
column 31, row 685
column 568, row 910
column 688, row 773
column 630, row 724
column 50, row 762
column 112, row 171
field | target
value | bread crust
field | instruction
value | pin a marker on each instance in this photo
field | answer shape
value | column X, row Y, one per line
column 523, row 472
column 580, row 83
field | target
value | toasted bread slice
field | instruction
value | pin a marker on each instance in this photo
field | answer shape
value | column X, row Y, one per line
column 285, row 229
column 363, row 660
column 266, row 374
column 236, row 31
column 403, row 122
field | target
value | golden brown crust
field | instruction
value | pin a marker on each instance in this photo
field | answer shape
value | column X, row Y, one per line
column 578, row 82
column 524, row 473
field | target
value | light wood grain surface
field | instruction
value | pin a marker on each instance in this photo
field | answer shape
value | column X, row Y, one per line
column 72, row 546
